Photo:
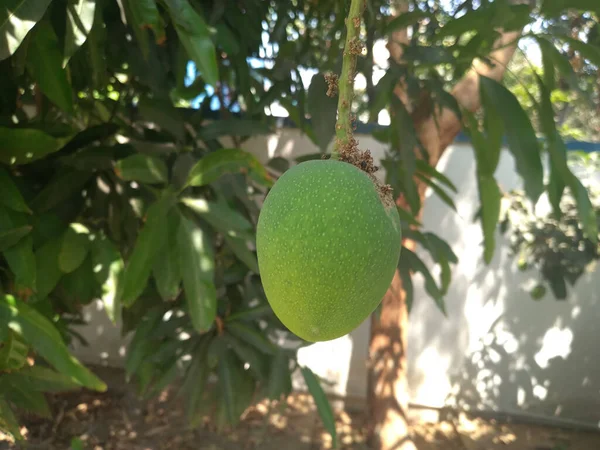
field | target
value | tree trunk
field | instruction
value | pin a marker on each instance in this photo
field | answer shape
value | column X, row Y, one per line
column 387, row 384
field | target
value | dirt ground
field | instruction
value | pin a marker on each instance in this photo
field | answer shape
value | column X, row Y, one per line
column 118, row 420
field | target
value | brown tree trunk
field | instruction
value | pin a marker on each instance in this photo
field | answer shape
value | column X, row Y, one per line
column 387, row 384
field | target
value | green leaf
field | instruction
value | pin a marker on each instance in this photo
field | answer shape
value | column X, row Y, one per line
column 280, row 378
column 219, row 215
column 142, row 344
column 585, row 209
column 250, row 313
column 62, row 187
column 247, row 334
column 96, row 45
column 323, row 406
column 147, row 246
column 75, row 247
column 13, row 354
column 407, row 284
column 247, row 354
column 560, row 61
column 411, row 262
column 25, row 145
column 8, row 421
column 30, row 401
column 21, row 260
column 76, row 444
column 11, row 196
column 195, row 37
column 164, row 114
column 195, row 378
column 80, row 19
column 17, row 18
column 438, row 190
column 11, row 237
column 236, row 388
column 405, row 20
column 44, row 61
column 143, row 168
column 42, row 379
column 46, row 340
column 197, row 266
column 490, row 197
column 108, row 268
column 146, row 15
column 232, row 127
column 322, row 110
column 229, row 160
column 167, row 270
column 48, row 271
column 427, row 169
column 522, row 141
column 243, row 253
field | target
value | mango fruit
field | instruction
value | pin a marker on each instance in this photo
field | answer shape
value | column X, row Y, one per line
column 328, row 245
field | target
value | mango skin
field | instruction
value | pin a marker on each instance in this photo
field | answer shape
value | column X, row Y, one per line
column 327, row 248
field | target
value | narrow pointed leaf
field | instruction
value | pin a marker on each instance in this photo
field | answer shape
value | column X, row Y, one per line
column 108, row 268
column 143, row 168
column 322, row 110
column 25, row 145
column 21, row 260
column 167, row 270
column 195, row 37
column 80, row 19
column 146, row 250
column 48, row 271
column 8, row 421
column 218, row 214
column 17, row 18
column 490, row 197
column 44, row 61
column 247, row 334
column 46, row 340
column 240, row 248
column 11, row 196
column 8, row 238
column 75, row 247
column 197, row 269
column 146, row 15
column 323, row 406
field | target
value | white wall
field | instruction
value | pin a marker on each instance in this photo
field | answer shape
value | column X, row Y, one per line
column 498, row 349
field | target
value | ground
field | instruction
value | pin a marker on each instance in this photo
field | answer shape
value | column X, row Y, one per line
column 118, row 420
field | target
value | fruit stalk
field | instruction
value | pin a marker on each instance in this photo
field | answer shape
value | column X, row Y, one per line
column 344, row 127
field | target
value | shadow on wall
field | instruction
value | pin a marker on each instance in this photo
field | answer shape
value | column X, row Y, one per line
column 499, row 349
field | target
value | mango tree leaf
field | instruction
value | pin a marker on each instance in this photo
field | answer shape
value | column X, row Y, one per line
column 8, row 421
column 427, row 169
column 405, row 20
column 322, row 110
column 559, row 61
column 240, row 248
column 80, row 19
column 405, row 275
column 411, row 262
column 247, row 334
column 75, row 247
column 195, row 37
column 46, row 340
column 62, row 187
column 9, row 238
column 146, row 15
column 490, row 197
column 142, row 343
column 441, row 193
column 146, row 250
column 195, row 378
column 236, row 388
column 280, row 378
column 44, row 61
column 13, row 354
column 108, row 268
column 232, row 127
column 229, row 160
column 42, row 379
column 96, row 45
column 28, row 400
column 197, row 269
column 250, row 313
column 247, row 354
column 25, row 145
column 48, row 271
column 561, row 175
column 21, row 260
column 143, row 168
column 11, row 196
column 17, row 18
column 522, row 141
column 219, row 215
column 167, row 270
column 164, row 114
column 323, row 406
